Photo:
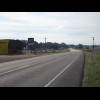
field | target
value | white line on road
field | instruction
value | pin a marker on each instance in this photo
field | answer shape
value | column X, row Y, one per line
column 60, row 73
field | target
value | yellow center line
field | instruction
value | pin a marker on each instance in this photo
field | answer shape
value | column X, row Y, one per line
column 16, row 69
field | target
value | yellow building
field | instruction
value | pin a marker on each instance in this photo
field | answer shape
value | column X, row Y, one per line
column 10, row 46
column 4, row 46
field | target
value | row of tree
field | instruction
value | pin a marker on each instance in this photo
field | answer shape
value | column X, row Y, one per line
column 51, row 45
column 48, row 45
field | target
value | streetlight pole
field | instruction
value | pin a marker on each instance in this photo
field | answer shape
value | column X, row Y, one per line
column 45, row 45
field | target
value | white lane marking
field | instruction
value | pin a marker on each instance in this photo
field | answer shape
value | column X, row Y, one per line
column 60, row 73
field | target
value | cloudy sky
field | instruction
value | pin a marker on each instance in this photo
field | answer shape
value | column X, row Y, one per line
column 68, row 27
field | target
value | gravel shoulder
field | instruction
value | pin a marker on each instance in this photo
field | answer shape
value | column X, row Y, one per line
column 7, row 58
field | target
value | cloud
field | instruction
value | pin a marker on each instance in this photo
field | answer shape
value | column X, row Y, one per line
column 6, row 35
column 60, row 27
column 71, row 27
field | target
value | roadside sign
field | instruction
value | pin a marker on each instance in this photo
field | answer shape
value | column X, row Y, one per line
column 30, row 41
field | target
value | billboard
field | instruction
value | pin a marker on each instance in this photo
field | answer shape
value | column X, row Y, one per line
column 30, row 41
column 4, row 46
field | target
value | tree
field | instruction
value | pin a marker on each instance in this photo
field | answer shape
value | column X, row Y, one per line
column 50, row 45
column 24, row 42
column 36, row 45
column 64, row 45
column 80, row 46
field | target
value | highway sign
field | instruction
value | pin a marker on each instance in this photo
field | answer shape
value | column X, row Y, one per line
column 30, row 41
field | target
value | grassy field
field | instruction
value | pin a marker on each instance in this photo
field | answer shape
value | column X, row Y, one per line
column 92, row 69
column 48, row 51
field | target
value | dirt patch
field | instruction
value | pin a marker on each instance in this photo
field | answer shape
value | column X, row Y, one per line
column 6, row 58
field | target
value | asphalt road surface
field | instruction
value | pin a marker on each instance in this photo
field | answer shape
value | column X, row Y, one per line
column 56, row 70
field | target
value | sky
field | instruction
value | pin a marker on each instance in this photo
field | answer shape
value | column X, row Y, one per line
column 67, row 27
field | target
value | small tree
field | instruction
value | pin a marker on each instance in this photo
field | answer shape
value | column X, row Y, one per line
column 80, row 46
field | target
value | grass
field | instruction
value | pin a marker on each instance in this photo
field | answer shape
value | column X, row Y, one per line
column 62, row 51
column 92, row 69
column 48, row 51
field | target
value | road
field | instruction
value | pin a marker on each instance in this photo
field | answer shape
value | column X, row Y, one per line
column 55, row 70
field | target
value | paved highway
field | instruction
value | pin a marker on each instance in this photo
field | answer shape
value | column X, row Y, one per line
column 56, row 70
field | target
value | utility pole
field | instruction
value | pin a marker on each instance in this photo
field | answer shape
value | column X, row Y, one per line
column 45, row 45
column 93, row 44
